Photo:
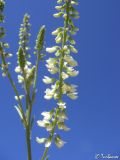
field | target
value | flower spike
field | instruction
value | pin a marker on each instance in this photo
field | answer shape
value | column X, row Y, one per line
column 62, row 65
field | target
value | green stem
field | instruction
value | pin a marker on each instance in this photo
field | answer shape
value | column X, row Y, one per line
column 30, row 105
column 28, row 127
column 28, row 99
column 28, row 142
column 60, row 76
column 45, row 153
column 14, row 87
column 35, row 79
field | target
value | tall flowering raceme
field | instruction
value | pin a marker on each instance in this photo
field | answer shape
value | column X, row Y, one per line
column 27, row 72
column 63, row 67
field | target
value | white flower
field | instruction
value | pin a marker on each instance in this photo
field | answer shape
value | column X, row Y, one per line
column 52, row 49
column 72, row 95
column 73, row 49
column 17, row 69
column 52, row 61
column 48, row 97
column 74, row 3
column 65, row 48
column 20, row 97
column 58, row 39
column 4, row 74
column 49, row 93
column 20, row 79
column 62, row 126
column 57, row 15
column 27, row 70
column 70, row 60
column 58, row 7
column 68, row 88
column 49, row 127
column 47, row 115
column 65, row 16
column 57, row 31
column 72, row 73
column 52, row 68
column 8, row 55
column 28, row 63
column 48, row 80
column 59, row 1
column 42, row 123
column 64, row 75
column 40, row 140
column 59, row 142
column 62, row 116
column 61, row 105
column 48, row 143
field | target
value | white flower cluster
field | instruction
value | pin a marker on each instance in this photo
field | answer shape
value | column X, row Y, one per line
column 62, row 66
column 28, row 70
column 48, row 122
column 25, row 69
column 24, row 34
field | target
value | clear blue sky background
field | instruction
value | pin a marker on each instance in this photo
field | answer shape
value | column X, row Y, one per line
column 94, row 118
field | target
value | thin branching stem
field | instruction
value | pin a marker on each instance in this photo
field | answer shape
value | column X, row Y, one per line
column 14, row 88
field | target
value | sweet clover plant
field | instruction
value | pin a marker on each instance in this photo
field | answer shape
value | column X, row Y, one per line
column 60, row 65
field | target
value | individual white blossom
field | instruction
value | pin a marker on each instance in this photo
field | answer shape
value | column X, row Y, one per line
column 42, row 123
column 68, row 88
column 40, row 140
column 57, row 31
column 70, row 60
column 62, row 126
column 28, row 63
column 72, row 72
column 20, row 79
column 65, row 75
column 57, row 15
column 62, row 105
column 18, row 69
column 49, row 127
column 74, row 3
column 59, row 142
column 20, row 97
column 65, row 48
column 4, row 74
column 58, row 39
column 49, row 93
column 47, row 115
column 73, row 49
column 52, row 68
column 73, row 95
column 52, row 61
column 48, row 143
column 48, row 80
column 62, row 116
column 52, row 49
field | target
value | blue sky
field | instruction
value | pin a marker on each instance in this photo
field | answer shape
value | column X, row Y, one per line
column 94, row 118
